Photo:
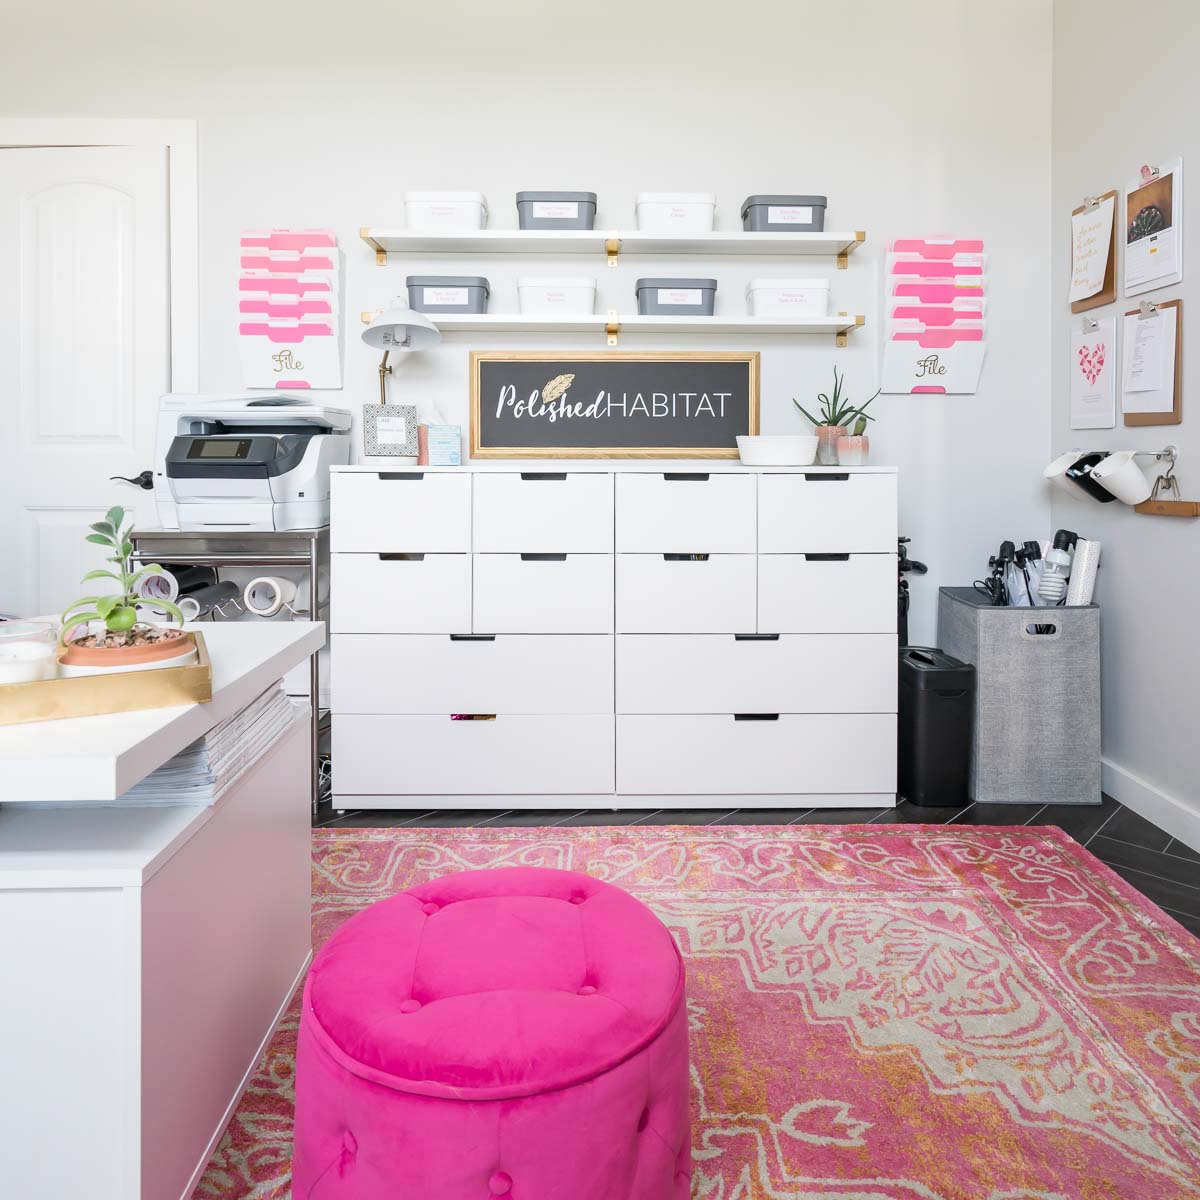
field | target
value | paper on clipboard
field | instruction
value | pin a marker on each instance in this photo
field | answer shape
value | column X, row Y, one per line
column 1161, row 397
column 1093, row 374
column 1154, row 228
column 1091, row 244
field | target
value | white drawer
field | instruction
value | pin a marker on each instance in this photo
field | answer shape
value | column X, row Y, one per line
column 435, row 755
column 720, row 755
column 686, row 512
column 563, row 593
column 837, row 593
column 403, row 511
column 376, row 593
column 826, row 511
column 790, row 673
column 659, row 593
column 554, row 511
column 443, row 674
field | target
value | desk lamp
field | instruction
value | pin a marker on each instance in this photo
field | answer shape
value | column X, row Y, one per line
column 394, row 431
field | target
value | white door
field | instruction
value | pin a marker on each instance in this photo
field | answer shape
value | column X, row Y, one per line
column 84, row 354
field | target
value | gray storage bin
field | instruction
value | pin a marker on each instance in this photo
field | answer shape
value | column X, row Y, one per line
column 556, row 210
column 783, row 214
column 676, row 297
column 1037, row 710
column 448, row 293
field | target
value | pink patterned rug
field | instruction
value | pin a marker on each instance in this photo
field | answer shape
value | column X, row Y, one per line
column 897, row 1013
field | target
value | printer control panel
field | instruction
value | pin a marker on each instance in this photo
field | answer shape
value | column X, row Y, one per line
column 219, row 448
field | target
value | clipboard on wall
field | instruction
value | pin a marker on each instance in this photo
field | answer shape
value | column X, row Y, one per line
column 1108, row 292
column 1166, row 402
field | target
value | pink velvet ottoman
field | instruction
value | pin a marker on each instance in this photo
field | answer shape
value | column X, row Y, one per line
column 518, row 1033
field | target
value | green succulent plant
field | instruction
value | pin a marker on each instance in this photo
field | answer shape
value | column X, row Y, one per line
column 118, row 609
column 838, row 409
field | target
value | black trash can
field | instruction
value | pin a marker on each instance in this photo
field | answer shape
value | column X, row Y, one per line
column 937, row 719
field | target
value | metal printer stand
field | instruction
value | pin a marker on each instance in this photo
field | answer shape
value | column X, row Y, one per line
column 307, row 548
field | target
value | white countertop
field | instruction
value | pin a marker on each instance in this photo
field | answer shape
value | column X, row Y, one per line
column 98, row 759
column 600, row 465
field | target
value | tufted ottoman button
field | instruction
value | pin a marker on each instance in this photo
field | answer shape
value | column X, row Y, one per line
column 502, row 1062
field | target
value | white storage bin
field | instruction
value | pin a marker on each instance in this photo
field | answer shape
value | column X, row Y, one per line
column 571, row 295
column 787, row 297
column 446, row 210
column 675, row 212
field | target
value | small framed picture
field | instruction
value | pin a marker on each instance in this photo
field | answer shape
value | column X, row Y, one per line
column 390, row 430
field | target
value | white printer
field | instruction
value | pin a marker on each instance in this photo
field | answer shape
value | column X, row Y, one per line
column 246, row 462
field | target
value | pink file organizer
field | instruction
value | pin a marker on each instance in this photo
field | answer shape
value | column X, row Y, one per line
column 930, row 248
column 939, row 314
column 281, row 353
column 288, row 239
column 287, row 262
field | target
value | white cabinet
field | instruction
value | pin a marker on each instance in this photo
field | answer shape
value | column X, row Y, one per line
column 543, row 593
column 683, row 593
column 550, row 511
column 838, row 512
column 685, row 512
column 675, row 635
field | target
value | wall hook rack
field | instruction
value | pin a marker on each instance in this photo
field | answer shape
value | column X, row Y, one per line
column 1158, row 506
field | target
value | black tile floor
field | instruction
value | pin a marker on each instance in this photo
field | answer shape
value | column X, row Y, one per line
column 1164, row 870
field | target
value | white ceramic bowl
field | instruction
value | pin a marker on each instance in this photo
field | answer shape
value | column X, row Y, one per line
column 777, row 450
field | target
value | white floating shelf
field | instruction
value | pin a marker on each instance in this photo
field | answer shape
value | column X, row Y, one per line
column 837, row 326
column 608, row 243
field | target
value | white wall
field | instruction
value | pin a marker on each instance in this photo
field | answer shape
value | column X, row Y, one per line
column 1108, row 122
column 310, row 114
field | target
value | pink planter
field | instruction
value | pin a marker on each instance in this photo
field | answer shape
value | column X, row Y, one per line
column 516, row 1032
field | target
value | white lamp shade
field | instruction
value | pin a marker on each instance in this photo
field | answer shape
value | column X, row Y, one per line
column 401, row 328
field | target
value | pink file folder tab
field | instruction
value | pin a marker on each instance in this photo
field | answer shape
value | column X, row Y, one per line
column 288, row 333
column 934, row 270
column 300, row 308
column 937, row 248
column 288, row 384
column 939, row 292
column 265, row 283
column 929, row 314
column 288, row 239
column 939, row 339
column 285, row 264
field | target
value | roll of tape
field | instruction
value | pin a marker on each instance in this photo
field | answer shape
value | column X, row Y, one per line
column 266, row 595
column 189, row 608
column 158, row 585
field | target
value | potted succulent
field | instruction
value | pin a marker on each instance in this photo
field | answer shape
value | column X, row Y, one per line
column 109, row 636
column 836, row 412
column 853, row 448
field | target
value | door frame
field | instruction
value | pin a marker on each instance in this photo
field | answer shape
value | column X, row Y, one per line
column 179, row 137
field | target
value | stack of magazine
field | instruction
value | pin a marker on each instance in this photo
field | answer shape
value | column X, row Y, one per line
column 208, row 767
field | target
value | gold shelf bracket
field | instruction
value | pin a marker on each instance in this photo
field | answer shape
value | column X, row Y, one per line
column 612, row 247
column 380, row 252
column 841, row 339
column 843, row 259
column 612, row 326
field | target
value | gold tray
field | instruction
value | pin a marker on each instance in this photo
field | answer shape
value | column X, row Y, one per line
column 91, row 695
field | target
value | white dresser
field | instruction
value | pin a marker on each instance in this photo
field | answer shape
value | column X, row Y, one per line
column 614, row 634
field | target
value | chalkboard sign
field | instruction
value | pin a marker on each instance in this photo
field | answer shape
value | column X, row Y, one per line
column 688, row 404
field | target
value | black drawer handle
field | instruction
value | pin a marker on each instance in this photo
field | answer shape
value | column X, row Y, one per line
column 543, row 558
column 756, row 637
column 685, row 557
column 686, row 476
column 756, row 716
column 832, row 477
column 472, row 637
column 472, row 716
column 396, row 475
column 537, row 475
column 827, row 557
column 402, row 557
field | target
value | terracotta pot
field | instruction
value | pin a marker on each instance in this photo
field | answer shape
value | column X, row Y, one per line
column 99, row 660
column 852, row 450
column 827, row 438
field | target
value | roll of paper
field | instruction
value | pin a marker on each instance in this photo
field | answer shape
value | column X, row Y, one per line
column 1084, row 566
column 266, row 595
column 208, row 598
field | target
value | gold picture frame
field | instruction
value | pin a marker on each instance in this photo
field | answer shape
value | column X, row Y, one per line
column 478, row 357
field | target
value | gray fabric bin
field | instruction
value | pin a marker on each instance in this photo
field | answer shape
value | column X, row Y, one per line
column 448, row 293
column 783, row 214
column 676, row 297
column 1037, row 710
column 556, row 210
